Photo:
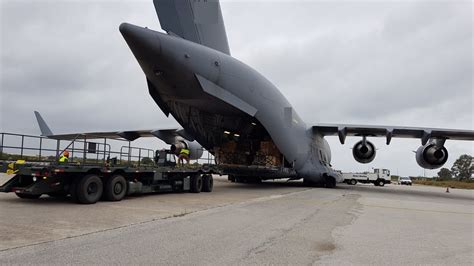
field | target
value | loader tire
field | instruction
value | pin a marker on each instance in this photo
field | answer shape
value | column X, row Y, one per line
column 196, row 183
column 89, row 189
column 115, row 188
column 207, row 183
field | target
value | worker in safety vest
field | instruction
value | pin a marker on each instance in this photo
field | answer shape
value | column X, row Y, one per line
column 183, row 155
column 64, row 158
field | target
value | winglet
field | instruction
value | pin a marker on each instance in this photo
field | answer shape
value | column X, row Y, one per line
column 45, row 131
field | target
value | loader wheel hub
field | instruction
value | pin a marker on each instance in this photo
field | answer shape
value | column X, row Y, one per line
column 118, row 188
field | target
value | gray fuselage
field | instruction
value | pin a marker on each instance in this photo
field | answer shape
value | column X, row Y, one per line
column 209, row 92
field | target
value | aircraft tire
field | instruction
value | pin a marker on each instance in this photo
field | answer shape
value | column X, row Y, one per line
column 89, row 189
column 207, row 183
column 196, row 183
column 307, row 183
column 115, row 188
column 329, row 182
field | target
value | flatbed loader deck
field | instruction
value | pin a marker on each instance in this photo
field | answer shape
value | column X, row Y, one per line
column 91, row 174
column 89, row 183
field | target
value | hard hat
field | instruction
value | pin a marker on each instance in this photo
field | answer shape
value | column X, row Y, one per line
column 66, row 153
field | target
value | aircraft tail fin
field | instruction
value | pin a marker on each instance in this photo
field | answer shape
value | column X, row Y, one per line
column 197, row 21
column 45, row 131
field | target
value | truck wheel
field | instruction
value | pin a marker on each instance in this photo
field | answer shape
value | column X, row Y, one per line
column 26, row 196
column 196, row 183
column 207, row 183
column 353, row 182
column 115, row 188
column 381, row 183
column 89, row 189
column 231, row 178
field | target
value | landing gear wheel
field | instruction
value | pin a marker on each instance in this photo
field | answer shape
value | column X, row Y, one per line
column 89, row 189
column 115, row 188
column 381, row 183
column 329, row 182
column 207, row 183
column 26, row 196
column 196, row 183
column 353, row 182
column 307, row 183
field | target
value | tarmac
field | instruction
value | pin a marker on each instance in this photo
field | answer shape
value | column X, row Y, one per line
column 269, row 223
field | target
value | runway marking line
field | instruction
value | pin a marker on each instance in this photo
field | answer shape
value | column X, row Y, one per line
column 410, row 209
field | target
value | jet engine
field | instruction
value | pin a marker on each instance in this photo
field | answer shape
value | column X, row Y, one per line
column 364, row 151
column 431, row 156
column 195, row 150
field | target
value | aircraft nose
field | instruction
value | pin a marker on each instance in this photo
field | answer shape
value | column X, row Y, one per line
column 143, row 42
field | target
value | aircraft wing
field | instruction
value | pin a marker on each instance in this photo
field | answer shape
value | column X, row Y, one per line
column 390, row 132
column 167, row 135
column 197, row 21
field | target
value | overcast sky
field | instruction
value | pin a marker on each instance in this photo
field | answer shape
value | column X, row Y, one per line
column 405, row 63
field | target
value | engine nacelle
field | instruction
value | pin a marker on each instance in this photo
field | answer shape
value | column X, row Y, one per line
column 364, row 151
column 195, row 150
column 431, row 156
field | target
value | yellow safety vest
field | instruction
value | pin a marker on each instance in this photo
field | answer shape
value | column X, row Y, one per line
column 63, row 159
column 184, row 151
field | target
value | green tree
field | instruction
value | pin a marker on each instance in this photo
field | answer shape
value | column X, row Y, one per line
column 445, row 174
column 462, row 167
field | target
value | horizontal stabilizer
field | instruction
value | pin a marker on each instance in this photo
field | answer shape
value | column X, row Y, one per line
column 167, row 135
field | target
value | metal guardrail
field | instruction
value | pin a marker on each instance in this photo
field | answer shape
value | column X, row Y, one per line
column 100, row 151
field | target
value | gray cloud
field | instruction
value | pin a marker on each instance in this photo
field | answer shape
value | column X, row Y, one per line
column 384, row 62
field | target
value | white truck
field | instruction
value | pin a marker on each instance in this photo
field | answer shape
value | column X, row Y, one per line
column 379, row 177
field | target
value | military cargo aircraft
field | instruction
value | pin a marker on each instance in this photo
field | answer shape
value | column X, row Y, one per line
column 236, row 113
